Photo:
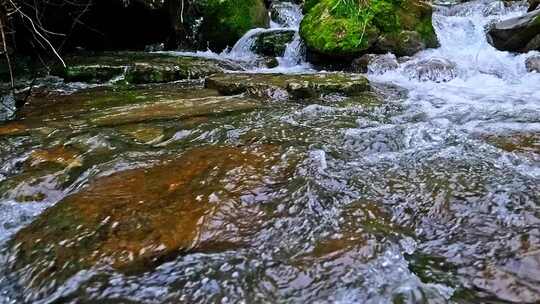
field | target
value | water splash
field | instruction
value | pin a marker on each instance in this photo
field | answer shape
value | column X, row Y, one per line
column 478, row 79
column 287, row 16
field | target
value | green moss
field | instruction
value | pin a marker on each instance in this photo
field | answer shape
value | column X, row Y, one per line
column 427, row 32
column 349, row 27
column 331, row 28
column 309, row 4
column 226, row 21
column 91, row 73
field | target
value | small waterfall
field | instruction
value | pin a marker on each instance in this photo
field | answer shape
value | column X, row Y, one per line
column 461, row 31
column 294, row 53
column 289, row 15
column 466, row 79
column 242, row 49
column 285, row 16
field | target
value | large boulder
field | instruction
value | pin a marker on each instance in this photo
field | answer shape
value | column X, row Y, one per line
column 520, row 34
column 346, row 29
column 216, row 24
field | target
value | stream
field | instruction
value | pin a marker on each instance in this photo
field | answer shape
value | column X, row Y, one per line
column 425, row 191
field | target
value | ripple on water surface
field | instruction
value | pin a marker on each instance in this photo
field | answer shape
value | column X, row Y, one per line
column 426, row 196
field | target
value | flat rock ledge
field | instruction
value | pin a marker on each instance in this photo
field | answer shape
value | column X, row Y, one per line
column 140, row 68
column 284, row 87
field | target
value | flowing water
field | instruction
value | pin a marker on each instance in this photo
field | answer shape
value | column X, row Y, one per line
column 428, row 193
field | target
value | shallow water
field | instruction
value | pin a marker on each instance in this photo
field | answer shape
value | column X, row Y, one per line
column 428, row 195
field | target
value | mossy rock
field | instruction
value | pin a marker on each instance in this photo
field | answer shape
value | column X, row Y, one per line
column 283, row 87
column 216, row 24
column 135, row 220
column 139, row 68
column 347, row 28
column 273, row 43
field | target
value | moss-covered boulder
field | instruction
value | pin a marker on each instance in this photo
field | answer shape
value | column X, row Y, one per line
column 347, row 28
column 216, row 24
column 139, row 68
column 283, row 87
column 139, row 218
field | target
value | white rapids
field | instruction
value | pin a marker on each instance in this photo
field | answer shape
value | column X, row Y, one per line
column 492, row 92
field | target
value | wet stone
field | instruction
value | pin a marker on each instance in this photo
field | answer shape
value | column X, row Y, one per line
column 375, row 64
column 533, row 64
column 13, row 128
column 519, row 143
column 59, row 155
column 111, row 106
column 136, row 219
column 143, row 134
column 42, row 175
column 273, row 43
column 140, row 68
column 173, row 109
column 283, row 87
column 383, row 63
column 433, row 69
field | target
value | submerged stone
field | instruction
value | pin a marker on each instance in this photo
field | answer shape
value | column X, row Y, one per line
column 58, row 155
column 282, row 87
column 516, row 281
column 110, row 106
column 143, row 134
column 173, row 109
column 518, row 143
column 139, row 218
column 13, row 128
column 140, row 68
column 42, row 175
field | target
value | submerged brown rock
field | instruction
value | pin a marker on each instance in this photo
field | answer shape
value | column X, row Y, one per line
column 135, row 219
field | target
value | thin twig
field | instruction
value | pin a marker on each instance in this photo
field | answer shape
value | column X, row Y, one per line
column 38, row 33
column 6, row 53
